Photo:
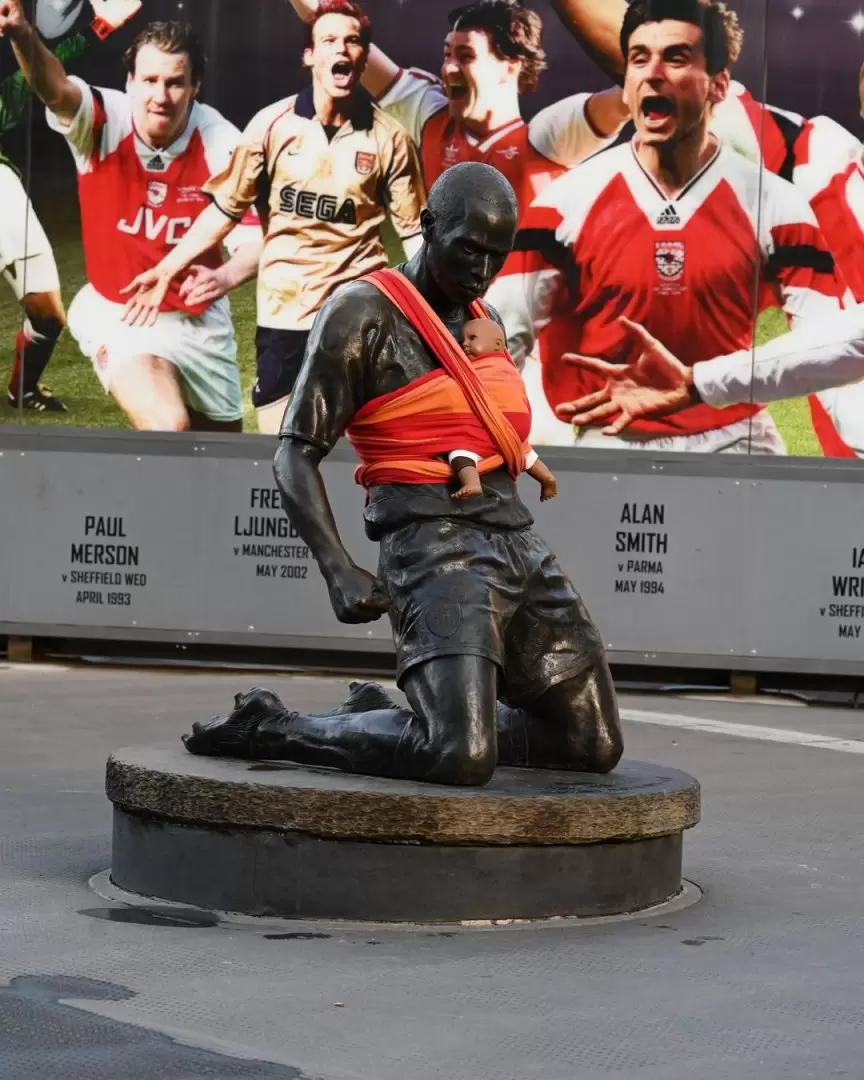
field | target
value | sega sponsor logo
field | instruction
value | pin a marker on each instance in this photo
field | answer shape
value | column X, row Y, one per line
column 317, row 207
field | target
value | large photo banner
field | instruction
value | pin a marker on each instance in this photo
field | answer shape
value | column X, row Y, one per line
column 185, row 184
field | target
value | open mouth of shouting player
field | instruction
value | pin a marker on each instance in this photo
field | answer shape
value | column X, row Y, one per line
column 338, row 56
column 471, row 74
column 344, row 77
column 658, row 113
column 666, row 91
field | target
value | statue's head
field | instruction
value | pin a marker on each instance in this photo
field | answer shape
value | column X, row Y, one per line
column 469, row 226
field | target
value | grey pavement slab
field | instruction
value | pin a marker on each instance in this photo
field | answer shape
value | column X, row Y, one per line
column 761, row 979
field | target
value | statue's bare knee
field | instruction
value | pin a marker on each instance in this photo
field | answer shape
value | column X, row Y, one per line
column 454, row 699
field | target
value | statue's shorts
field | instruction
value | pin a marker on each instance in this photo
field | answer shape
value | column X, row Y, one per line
column 458, row 588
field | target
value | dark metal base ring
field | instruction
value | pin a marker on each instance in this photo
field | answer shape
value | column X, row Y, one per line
column 130, row 907
column 296, row 876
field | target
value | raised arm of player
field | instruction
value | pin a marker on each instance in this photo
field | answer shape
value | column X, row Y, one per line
column 574, row 128
column 606, row 111
column 405, row 191
column 596, row 25
column 40, row 67
column 380, row 72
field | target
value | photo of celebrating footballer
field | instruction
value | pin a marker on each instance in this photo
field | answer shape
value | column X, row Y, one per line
column 184, row 193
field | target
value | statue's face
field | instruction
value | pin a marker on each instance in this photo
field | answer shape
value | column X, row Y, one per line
column 466, row 250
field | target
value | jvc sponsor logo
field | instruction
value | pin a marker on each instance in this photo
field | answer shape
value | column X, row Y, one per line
column 153, row 226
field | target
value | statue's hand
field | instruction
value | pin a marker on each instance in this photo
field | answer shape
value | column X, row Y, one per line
column 357, row 596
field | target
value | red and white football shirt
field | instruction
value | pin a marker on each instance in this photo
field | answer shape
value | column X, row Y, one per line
column 758, row 131
column 819, row 156
column 530, row 154
column 830, row 173
column 823, row 160
column 137, row 202
column 606, row 242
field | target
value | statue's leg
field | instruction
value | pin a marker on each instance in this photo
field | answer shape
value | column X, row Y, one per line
column 573, row 725
column 559, row 708
column 448, row 736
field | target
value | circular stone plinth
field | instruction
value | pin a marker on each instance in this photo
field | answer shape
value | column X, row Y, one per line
column 285, row 841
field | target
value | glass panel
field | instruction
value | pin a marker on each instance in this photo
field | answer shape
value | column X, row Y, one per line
column 639, row 238
column 814, row 53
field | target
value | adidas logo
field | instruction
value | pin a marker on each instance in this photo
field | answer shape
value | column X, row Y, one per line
column 156, row 164
column 668, row 216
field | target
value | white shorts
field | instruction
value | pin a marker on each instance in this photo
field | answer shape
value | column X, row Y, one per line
column 845, row 406
column 202, row 348
column 26, row 258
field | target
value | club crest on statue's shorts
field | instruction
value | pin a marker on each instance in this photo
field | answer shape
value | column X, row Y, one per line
column 156, row 192
column 669, row 259
column 364, row 162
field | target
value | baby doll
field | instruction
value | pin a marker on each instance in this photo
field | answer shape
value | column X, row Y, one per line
column 481, row 336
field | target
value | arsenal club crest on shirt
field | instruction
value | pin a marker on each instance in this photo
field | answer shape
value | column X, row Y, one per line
column 156, row 192
column 364, row 162
column 669, row 258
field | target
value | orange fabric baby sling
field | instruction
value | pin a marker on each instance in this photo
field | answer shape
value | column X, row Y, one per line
column 479, row 405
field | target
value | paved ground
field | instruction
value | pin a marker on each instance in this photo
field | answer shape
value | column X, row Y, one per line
column 762, row 979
